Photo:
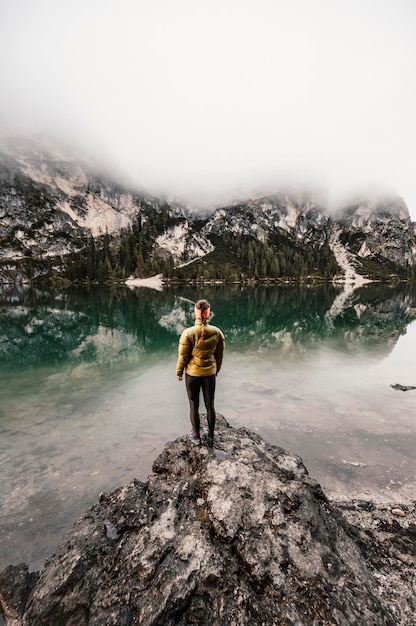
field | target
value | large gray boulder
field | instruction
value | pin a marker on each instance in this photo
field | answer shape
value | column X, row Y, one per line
column 238, row 534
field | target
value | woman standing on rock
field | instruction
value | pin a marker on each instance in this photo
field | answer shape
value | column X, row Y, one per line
column 200, row 353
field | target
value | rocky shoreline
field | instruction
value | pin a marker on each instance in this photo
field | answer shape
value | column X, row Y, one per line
column 238, row 534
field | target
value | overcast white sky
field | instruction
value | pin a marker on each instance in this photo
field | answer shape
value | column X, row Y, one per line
column 209, row 98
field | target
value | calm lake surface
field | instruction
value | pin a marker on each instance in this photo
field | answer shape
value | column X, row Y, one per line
column 88, row 393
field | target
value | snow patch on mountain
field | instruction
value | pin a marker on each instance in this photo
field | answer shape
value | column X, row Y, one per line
column 351, row 279
column 345, row 260
column 154, row 282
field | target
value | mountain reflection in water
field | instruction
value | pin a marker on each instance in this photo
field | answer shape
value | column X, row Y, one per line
column 112, row 325
column 88, row 394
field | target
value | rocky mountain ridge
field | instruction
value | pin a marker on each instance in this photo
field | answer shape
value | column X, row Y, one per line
column 51, row 203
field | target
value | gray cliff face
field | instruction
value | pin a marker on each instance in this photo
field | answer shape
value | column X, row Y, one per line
column 367, row 228
column 298, row 215
column 47, row 181
column 49, row 205
column 379, row 227
column 50, row 202
column 183, row 243
column 50, row 198
column 240, row 534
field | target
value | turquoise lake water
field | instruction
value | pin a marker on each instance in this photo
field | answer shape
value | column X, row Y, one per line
column 88, row 393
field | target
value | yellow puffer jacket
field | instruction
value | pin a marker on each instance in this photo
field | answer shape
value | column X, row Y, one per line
column 200, row 357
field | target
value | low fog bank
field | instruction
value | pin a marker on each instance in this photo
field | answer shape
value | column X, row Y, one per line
column 200, row 200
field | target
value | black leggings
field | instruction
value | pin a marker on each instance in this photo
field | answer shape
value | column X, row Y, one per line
column 194, row 384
